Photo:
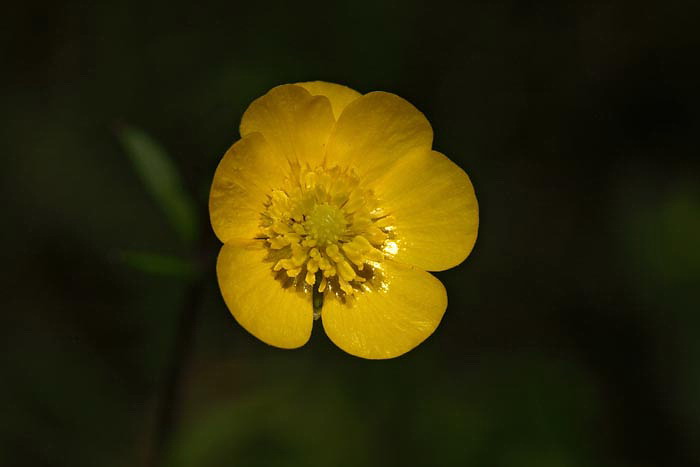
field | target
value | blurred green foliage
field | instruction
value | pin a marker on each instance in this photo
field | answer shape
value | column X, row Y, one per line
column 153, row 263
column 162, row 179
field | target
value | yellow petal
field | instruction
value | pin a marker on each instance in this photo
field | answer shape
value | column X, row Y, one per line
column 295, row 123
column 376, row 130
column 339, row 95
column 277, row 316
column 386, row 322
column 432, row 205
column 242, row 181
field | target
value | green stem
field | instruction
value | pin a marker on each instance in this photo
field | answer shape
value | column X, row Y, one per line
column 168, row 410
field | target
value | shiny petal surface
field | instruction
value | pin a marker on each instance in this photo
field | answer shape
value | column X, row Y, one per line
column 340, row 96
column 295, row 123
column 279, row 317
column 374, row 132
column 433, row 208
column 243, row 179
column 387, row 321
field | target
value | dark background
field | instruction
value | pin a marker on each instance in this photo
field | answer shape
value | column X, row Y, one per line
column 571, row 338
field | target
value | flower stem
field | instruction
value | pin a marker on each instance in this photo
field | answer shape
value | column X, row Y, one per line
column 167, row 415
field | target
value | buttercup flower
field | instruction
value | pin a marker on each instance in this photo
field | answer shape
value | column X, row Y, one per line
column 333, row 205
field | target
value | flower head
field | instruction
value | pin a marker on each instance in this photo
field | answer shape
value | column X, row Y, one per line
column 334, row 194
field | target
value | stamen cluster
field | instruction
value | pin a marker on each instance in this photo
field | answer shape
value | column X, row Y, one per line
column 324, row 228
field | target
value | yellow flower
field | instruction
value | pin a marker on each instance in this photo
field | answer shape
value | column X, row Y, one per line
column 331, row 190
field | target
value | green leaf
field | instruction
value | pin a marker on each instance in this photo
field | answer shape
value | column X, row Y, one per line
column 162, row 179
column 158, row 264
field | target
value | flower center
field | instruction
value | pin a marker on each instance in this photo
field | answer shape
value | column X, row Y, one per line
column 326, row 224
column 323, row 228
